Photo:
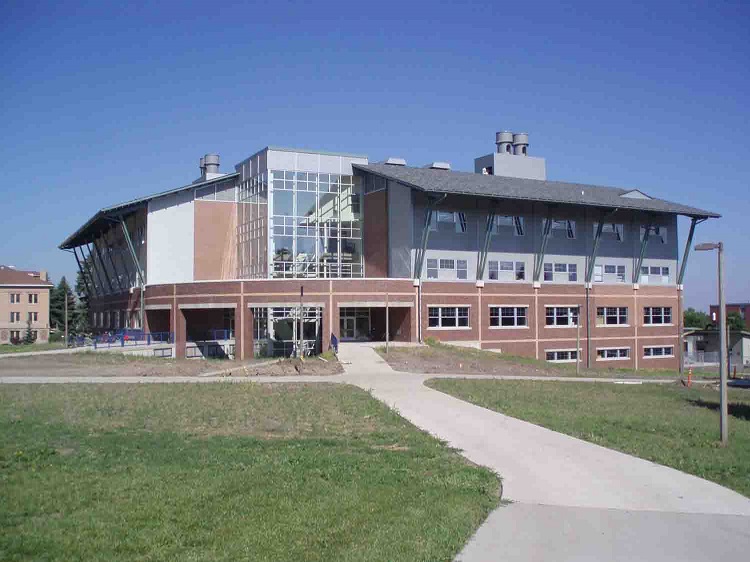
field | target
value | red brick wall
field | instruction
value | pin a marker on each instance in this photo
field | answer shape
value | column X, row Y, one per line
column 376, row 234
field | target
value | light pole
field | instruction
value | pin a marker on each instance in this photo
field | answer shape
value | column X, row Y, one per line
column 724, row 419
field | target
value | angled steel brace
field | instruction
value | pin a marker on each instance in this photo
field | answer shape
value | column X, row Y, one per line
column 133, row 254
column 482, row 261
column 104, row 268
column 422, row 250
column 114, row 267
column 93, row 276
column 92, row 266
column 539, row 258
column 639, row 263
column 594, row 250
column 688, row 245
column 83, row 274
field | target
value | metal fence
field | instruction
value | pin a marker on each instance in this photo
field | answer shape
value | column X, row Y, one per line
column 702, row 358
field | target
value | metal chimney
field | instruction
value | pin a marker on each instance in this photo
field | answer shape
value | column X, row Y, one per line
column 521, row 144
column 504, row 142
column 203, row 167
column 211, row 163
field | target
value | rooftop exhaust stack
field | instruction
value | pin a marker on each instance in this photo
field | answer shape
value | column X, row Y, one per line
column 520, row 144
column 396, row 161
column 504, row 142
column 211, row 163
column 439, row 166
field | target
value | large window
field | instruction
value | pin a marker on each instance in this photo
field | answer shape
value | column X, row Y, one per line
column 508, row 316
column 654, row 315
column 656, row 234
column 561, row 355
column 564, row 228
column 654, row 274
column 448, row 221
column 610, row 273
column 612, row 353
column 506, row 270
column 659, row 351
column 561, row 272
column 561, row 316
column 316, row 226
column 506, row 224
column 611, row 315
column 612, row 231
column 448, row 316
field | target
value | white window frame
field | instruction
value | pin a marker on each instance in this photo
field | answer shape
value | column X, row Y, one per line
column 552, row 269
column 518, row 224
column 650, row 316
column 516, row 316
column 569, row 360
column 662, row 347
column 618, row 314
column 432, row 266
column 617, row 358
column 457, row 218
column 441, row 308
column 462, row 269
column 571, row 317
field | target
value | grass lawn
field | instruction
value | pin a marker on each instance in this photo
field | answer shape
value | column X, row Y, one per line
column 667, row 424
column 437, row 357
column 21, row 347
column 227, row 472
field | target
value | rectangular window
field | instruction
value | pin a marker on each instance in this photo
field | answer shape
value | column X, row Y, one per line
column 432, row 269
column 598, row 274
column 656, row 234
column 611, row 315
column 506, row 266
column 508, row 316
column 461, row 269
column 612, row 353
column 561, row 355
column 447, row 264
column 33, row 316
column 659, row 351
column 572, row 272
column 567, row 226
column 548, row 275
column 15, row 298
column 654, row 315
column 448, row 317
column 620, row 274
column 493, row 270
column 448, row 221
column 516, row 223
column 15, row 316
column 33, row 298
column 520, row 271
column 611, row 231
column 561, row 315
column 561, row 272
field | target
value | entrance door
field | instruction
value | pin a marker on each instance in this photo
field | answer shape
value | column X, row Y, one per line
column 348, row 329
column 354, row 323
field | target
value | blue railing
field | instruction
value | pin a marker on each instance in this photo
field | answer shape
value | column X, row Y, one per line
column 130, row 338
column 219, row 335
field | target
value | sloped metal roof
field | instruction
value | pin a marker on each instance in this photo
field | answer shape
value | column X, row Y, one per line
column 502, row 187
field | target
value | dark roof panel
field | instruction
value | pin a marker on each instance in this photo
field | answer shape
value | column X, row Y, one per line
column 465, row 183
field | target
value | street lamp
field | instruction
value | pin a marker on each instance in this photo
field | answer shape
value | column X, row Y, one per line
column 724, row 422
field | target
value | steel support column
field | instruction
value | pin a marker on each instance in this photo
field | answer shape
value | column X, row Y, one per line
column 539, row 258
column 686, row 253
column 104, row 267
column 422, row 250
column 139, row 270
column 594, row 250
column 644, row 243
column 482, row 261
column 83, row 274
column 95, row 278
column 114, row 267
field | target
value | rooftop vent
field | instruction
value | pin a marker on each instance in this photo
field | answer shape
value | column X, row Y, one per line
column 520, row 144
column 396, row 161
column 439, row 166
column 504, row 142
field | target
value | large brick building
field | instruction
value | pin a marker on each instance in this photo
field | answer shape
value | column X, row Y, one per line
column 24, row 305
column 306, row 245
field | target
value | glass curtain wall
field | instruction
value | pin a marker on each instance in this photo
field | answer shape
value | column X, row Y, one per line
column 252, row 227
column 316, row 229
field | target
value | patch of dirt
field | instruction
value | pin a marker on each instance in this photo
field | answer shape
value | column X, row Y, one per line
column 286, row 367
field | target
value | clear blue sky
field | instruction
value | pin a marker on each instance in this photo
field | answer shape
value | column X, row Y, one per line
column 103, row 103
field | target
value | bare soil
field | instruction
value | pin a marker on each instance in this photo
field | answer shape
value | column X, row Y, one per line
column 447, row 359
column 113, row 365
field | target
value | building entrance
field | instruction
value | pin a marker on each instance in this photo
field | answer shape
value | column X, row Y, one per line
column 355, row 324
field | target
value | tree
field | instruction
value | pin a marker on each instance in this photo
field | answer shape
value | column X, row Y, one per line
column 735, row 322
column 80, row 320
column 57, row 305
column 28, row 337
column 696, row 319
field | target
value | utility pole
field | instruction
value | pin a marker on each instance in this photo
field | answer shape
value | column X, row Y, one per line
column 578, row 341
column 723, row 368
column 387, row 322
column 65, row 289
column 300, row 336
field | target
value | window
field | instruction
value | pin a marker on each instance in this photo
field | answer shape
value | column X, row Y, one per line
column 567, row 226
column 612, row 231
column 655, row 274
column 448, row 317
column 612, row 353
column 461, row 269
column 611, row 315
column 561, row 316
column 657, row 315
column 33, row 316
column 15, row 336
column 447, row 264
column 656, row 234
column 598, row 274
column 561, row 272
column 620, row 274
column 33, row 298
column 516, row 223
column 562, row 355
column 508, row 316
column 448, row 221
column 15, row 316
column 505, row 270
column 493, row 270
column 15, row 298
column 520, row 271
column 432, row 269
column 659, row 351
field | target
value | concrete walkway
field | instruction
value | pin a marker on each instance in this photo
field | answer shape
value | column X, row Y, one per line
column 572, row 500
